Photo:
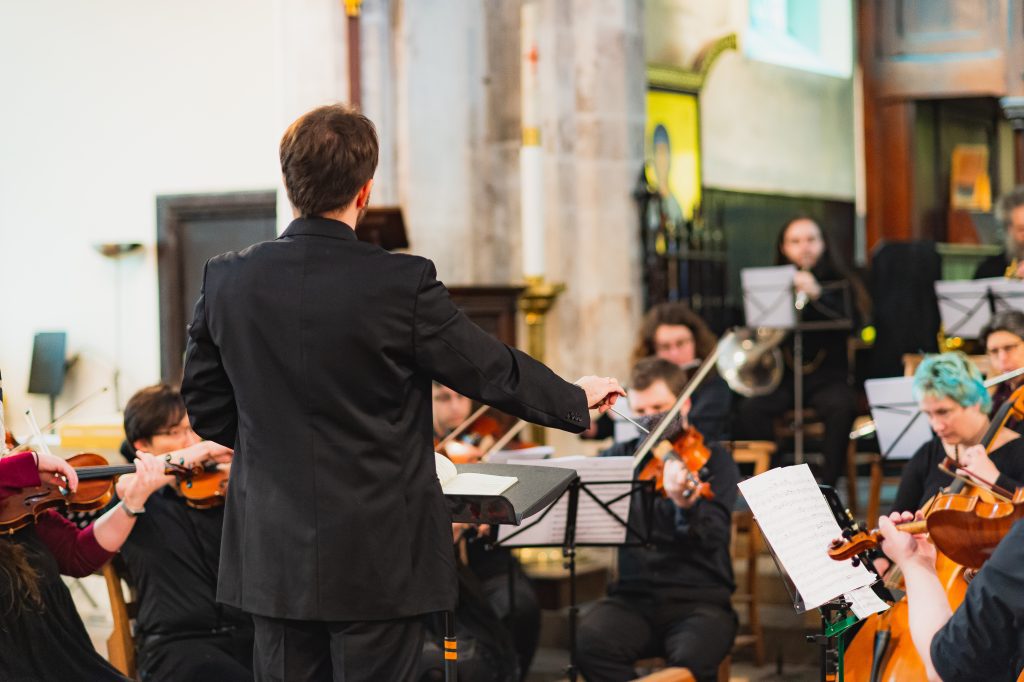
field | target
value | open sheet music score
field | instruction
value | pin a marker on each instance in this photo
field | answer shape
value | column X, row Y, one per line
column 454, row 483
column 535, row 453
column 796, row 521
column 593, row 524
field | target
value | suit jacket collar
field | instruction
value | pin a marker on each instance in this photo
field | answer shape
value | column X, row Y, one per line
column 319, row 227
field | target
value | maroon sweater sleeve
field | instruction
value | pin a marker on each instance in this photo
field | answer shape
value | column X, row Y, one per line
column 77, row 552
column 17, row 472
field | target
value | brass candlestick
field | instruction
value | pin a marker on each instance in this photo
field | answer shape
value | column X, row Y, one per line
column 535, row 303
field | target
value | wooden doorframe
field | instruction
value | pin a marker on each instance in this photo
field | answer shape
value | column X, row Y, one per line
column 172, row 213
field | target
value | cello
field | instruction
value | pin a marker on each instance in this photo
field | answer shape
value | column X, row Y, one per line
column 882, row 650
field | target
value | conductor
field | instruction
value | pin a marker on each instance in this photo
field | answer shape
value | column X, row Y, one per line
column 313, row 355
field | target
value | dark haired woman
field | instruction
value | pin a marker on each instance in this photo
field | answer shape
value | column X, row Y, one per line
column 824, row 285
column 42, row 636
column 674, row 332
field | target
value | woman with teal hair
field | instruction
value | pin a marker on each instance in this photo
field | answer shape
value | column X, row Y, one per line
column 951, row 393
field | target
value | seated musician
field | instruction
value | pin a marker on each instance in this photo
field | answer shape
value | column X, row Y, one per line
column 951, row 394
column 826, row 386
column 674, row 332
column 983, row 639
column 490, row 567
column 671, row 600
column 451, row 409
column 42, row 637
column 173, row 556
column 1009, row 263
column 1003, row 339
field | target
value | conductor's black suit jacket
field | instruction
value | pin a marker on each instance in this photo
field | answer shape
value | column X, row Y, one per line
column 313, row 356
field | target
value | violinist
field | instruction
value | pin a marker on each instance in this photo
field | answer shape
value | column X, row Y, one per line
column 673, row 599
column 172, row 558
column 951, row 394
column 1003, row 339
column 1009, row 263
column 451, row 409
column 42, row 637
column 983, row 639
column 490, row 569
column 820, row 281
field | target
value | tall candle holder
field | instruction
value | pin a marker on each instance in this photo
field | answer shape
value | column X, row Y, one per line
column 535, row 303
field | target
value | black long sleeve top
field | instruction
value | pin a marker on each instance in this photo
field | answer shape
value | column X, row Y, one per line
column 689, row 557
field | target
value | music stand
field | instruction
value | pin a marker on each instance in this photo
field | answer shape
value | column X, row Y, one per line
column 769, row 301
column 899, row 424
column 573, row 486
column 794, row 518
column 965, row 307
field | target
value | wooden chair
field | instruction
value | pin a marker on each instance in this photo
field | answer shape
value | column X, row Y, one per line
column 121, row 643
column 759, row 454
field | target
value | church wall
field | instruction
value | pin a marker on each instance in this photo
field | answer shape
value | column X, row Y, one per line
column 105, row 106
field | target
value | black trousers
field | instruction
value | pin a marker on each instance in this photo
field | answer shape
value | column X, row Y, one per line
column 830, row 396
column 519, row 610
column 226, row 657
column 348, row 651
column 623, row 629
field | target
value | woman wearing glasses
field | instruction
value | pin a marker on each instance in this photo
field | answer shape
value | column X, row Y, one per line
column 1003, row 338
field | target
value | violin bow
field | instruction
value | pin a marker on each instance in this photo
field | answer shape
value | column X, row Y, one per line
column 27, row 445
column 656, row 434
column 454, row 433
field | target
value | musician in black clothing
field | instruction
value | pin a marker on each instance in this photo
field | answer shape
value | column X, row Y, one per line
column 951, row 394
column 671, row 600
column 172, row 559
column 1009, row 263
column 674, row 332
column 1003, row 339
column 983, row 639
column 823, row 284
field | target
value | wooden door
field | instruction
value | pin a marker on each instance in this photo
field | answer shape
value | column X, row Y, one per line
column 191, row 229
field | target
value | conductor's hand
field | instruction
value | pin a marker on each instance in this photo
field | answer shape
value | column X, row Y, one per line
column 602, row 392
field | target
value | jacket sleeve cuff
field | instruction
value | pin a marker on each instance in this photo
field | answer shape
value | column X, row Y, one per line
column 18, row 471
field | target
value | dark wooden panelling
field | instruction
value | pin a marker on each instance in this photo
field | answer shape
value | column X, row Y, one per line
column 190, row 230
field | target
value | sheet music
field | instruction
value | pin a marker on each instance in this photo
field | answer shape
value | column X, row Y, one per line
column 899, row 424
column 454, row 483
column 963, row 305
column 797, row 522
column 593, row 524
column 534, row 453
column 768, row 296
column 864, row 602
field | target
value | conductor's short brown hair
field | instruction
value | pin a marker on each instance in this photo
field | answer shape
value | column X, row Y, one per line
column 327, row 155
column 649, row 371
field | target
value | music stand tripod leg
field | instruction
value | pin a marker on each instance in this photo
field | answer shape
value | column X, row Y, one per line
column 569, row 554
column 451, row 648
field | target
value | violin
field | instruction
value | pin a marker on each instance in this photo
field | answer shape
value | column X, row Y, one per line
column 689, row 448
column 966, row 528
column 200, row 487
